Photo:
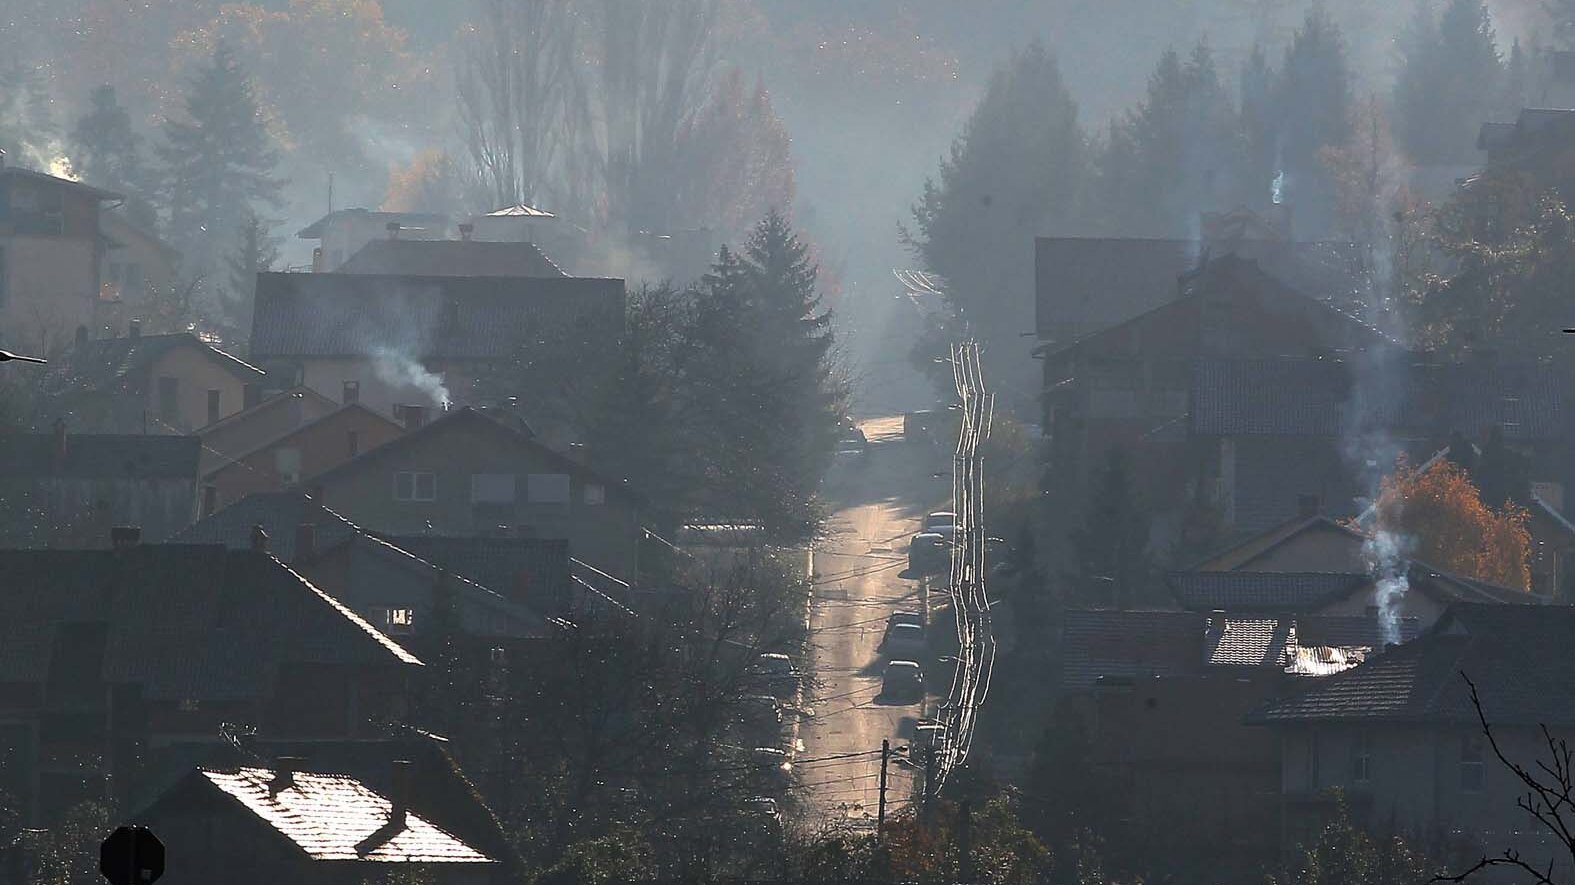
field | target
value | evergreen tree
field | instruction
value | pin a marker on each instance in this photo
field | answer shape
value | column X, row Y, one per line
column 1501, row 474
column 1259, row 129
column 255, row 252
column 106, row 152
column 1517, row 83
column 1451, row 79
column 1178, row 153
column 1112, row 546
column 1312, row 100
column 219, row 163
column 1015, row 172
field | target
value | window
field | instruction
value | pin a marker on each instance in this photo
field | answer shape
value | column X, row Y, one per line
column 492, row 488
column 415, row 485
column 1362, row 757
column 547, row 488
column 353, row 442
column 595, row 493
column 1471, row 767
column 351, row 393
column 213, row 406
column 399, row 621
column 287, row 463
column 169, row 395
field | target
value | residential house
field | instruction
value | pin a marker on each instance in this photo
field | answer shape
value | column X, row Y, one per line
column 172, row 383
column 69, row 490
column 394, row 589
column 1399, row 736
column 136, row 268
column 1269, row 432
column 469, row 473
column 51, row 245
column 342, row 233
column 451, row 258
column 266, row 825
column 1552, row 545
column 425, row 341
column 266, row 419
column 297, row 453
column 111, row 653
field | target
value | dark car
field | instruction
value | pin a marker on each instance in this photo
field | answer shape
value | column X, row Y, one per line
column 902, row 681
column 901, row 617
column 774, row 673
column 930, row 552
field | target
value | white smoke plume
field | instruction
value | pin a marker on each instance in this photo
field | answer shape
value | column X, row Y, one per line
column 1385, row 553
column 399, row 369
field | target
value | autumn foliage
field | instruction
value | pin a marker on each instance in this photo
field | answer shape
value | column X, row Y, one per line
column 1439, row 509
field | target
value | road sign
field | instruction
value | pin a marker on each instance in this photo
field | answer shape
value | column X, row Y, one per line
column 131, row 856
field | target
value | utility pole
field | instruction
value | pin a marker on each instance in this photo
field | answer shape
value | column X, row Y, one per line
column 929, row 783
column 880, row 814
column 965, row 844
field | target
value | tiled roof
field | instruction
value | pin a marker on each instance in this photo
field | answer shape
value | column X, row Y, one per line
column 337, row 818
column 107, row 363
column 182, row 621
column 451, row 258
column 1098, row 644
column 1321, row 397
column 1276, row 592
column 1516, row 655
column 280, row 514
column 1248, row 642
column 425, row 317
column 530, row 571
column 99, row 456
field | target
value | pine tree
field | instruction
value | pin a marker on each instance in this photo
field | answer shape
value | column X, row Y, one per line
column 1517, row 83
column 219, row 163
column 1312, row 100
column 106, row 152
column 1259, row 129
column 1451, row 80
column 1112, row 546
column 255, row 252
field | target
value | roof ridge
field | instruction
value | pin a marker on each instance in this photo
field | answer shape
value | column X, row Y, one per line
column 232, row 460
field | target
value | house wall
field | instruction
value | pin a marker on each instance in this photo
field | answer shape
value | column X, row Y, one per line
column 131, row 273
column 383, row 384
column 316, row 448
column 1425, row 609
column 345, row 235
column 48, row 287
column 604, row 535
column 1324, row 550
column 269, row 420
column 196, row 372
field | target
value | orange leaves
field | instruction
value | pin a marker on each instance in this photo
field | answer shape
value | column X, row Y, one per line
column 1440, row 510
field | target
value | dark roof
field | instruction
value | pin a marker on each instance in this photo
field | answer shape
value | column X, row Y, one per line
column 107, row 363
column 1517, row 656
column 1244, row 552
column 273, row 401
column 334, row 314
column 334, row 817
column 314, row 231
column 532, row 571
column 31, row 175
column 280, row 514
column 1493, row 136
column 182, row 621
column 1099, row 643
column 1322, row 397
column 450, row 258
column 338, row 414
column 1277, row 592
column 99, row 456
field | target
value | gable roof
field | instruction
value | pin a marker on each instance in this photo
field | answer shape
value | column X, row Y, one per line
column 1101, row 643
column 1320, row 397
column 1245, row 552
column 10, row 171
column 334, row 817
column 108, row 363
column 316, row 229
column 269, row 404
column 279, row 514
column 533, row 571
column 99, row 456
column 451, row 258
column 1279, row 592
column 1515, row 655
column 424, row 317
column 458, row 420
column 182, row 621
column 338, row 414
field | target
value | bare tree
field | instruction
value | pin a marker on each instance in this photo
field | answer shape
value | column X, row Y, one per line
column 1549, row 799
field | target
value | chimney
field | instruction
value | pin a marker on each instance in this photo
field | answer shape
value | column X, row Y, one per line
column 1308, row 506
column 415, row 416
column 259, row 539
column 465, row 230
column 60, row 441
column 134, row 329
column 399, row 794
column 393, row 230
column 82, row 335
column 125, row 537
column 305, row 541
column 284, row 769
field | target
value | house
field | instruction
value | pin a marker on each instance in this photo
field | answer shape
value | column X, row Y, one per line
column 1308, row 542
column 342, row 233
column 135, row 267
column 266, row 825
column 450, row 258
column 469, row 473
column 1398, row 735
column 113, row 652
column 51, row 245
column 296, row 454
column 172, row 383
column 427, row 341
column 394, row 589
column 268, row 418
column 67, row 490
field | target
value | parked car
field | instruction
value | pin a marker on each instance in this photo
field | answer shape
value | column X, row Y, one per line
column 901, row 617
column 928, row 734
column 853, row 445
column 760, row 716
column 773, row 767
column 929, row 553
column 774, row 673
column 902, row 680
column 939, row 519
column 904, row 641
